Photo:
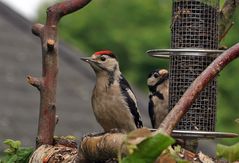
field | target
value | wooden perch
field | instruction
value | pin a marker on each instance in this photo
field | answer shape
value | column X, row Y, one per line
column 48, row 83
column 58, row 153
column 102, row 147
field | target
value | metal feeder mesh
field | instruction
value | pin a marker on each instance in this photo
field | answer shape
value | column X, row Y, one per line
column 194, row 25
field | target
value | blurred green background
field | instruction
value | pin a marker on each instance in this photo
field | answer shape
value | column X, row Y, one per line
column 129, row 29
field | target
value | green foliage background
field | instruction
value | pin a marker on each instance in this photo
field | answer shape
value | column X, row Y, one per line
column 15, row 153
column 130, row 28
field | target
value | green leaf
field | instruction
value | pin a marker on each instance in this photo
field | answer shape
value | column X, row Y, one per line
column 5, row 158
column 9, row 151
column 12, row 159
column 23, row 154
column 15, row 153
column 12, row 144
column 149, row 149
column 231, row 153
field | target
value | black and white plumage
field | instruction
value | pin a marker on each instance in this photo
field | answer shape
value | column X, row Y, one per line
column 158, row 85
column 113, row 101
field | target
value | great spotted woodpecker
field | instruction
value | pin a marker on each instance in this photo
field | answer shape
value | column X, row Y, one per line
column 113, row 101
column 158, row 85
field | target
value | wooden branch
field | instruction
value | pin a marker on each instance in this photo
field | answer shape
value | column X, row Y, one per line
column 47, row 86
column 64, row 149
column 58, row 153
column 103, row 147
column 226, row 16
column 37, row 29
column 196, row 87
column 57, row 11
column 36, row 82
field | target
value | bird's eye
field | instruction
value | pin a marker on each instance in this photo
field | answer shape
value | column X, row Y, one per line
column 156, row 75
column 102, row 58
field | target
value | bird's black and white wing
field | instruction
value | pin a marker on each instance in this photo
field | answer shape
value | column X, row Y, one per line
column 131, row 101
column 151, row 111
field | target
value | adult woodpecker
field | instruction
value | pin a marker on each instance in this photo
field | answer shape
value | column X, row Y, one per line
column 114, row 103
column 158, row 85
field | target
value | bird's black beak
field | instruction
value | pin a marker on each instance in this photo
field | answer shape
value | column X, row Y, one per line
column 86, row 59
column 95, row 65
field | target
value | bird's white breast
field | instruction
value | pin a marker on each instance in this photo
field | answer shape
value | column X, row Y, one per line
column 110, row 108
column 161, row 105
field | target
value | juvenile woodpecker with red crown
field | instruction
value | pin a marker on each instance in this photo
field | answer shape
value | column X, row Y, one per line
column 158, row 85
column 113, row 101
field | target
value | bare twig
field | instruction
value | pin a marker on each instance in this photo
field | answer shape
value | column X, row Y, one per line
column 223, row 35
column 37, row 29
column 226, row 17
column 57, row 11
column 196, row 87
column 36, row 82
column 47, row 85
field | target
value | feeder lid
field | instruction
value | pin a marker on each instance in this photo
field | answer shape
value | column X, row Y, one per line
column 200, row 134
column 166, row 53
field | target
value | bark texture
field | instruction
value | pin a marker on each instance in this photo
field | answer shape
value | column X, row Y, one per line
column 48, row 153
column 103, row 147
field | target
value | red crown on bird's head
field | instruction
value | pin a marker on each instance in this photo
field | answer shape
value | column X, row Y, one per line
column 105, row 52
